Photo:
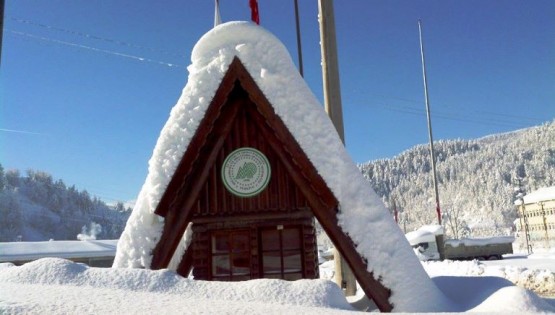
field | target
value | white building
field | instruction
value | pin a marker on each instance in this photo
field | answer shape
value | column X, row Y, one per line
column 537, row 218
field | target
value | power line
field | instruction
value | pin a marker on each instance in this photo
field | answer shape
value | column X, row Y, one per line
column 457, row 108
column 95, row 37
column 454, row 117
column 474, row 116
column 109, row 52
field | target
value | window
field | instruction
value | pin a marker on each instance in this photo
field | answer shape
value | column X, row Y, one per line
column 231, row 259
column 281, row 253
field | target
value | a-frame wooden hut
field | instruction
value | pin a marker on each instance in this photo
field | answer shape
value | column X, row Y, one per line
column 269, row 234
column 246, row 163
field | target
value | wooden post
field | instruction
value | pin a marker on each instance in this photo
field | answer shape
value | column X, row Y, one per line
column 330, row 68
column 344, row 276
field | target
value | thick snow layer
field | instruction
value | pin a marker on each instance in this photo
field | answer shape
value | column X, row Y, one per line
column 420, row 236
column 362, row 214
column 542, row 194
column 58, row 286
column 435, row 229
column 23, row 251
column 481, row 241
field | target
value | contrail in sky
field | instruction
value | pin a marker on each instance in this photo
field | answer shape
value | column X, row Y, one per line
column 110, row 52
column 22, row 131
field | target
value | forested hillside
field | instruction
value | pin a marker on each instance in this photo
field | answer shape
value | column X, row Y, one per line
column 34, row 207
column 476, row 180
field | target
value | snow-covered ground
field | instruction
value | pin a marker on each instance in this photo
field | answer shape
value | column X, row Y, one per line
column 535, row 272
column 58, row 286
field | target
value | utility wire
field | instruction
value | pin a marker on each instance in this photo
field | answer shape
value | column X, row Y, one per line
column 455, row 117
column 95, row 37
column 475, row 116
column 518, row 118
column 109, row 52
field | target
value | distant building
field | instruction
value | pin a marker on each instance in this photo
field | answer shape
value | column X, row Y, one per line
column 537, row 218
column 95, row 253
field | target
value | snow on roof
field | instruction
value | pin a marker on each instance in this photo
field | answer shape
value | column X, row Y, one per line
column 435, row 229
column 420, row 236
column 23, row 251
column 362, row 214
column 542, row 194
column 481, row 241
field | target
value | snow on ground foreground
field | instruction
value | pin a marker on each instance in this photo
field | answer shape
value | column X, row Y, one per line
column 59, row 286
column 54, row 286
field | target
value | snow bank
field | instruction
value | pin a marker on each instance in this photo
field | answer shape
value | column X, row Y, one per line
column 76, row 288
column 494, row 295
column 541, row 281
column 362, row 214
column 58, row 286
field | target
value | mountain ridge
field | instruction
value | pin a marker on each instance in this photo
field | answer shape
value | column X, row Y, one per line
column 476, row 180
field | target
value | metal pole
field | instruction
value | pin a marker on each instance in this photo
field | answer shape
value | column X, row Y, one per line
column 299, row 48
column 526, row 229
column 217, row 17
column 1, row 27
column 432, row 153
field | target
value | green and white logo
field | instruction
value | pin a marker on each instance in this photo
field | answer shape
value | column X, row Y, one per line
column 246, row 172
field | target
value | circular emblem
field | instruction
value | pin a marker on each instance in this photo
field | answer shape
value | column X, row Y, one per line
column 246, row 172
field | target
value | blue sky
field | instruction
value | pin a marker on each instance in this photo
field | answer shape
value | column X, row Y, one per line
column 86, row 86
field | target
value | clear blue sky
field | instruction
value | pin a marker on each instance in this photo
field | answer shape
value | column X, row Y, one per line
column 76, row 101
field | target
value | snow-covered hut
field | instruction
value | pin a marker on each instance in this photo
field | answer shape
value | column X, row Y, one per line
column 246, row 160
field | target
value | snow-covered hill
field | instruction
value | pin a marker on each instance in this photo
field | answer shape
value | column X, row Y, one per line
column 37, row 208
column 476, row 186
column 476, row 180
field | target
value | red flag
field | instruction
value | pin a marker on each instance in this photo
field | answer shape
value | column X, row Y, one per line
column 254, row 11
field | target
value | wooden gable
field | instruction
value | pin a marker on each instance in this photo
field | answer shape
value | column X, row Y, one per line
column 239, row 115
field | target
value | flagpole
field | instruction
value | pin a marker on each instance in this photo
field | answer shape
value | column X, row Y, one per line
column 299, row 48
column 217, row 17
column 432, row 153
column 1, row 26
